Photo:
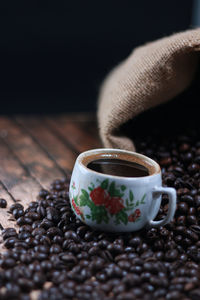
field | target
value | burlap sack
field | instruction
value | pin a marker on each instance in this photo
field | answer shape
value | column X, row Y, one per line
column 151, row 75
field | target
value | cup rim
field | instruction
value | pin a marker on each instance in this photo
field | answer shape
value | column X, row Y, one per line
column 114, row 150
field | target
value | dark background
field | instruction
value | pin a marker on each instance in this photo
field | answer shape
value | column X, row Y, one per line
column 54, row 55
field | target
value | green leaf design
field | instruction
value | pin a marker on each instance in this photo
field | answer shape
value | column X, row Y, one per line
column 92, row 185
column 85, row 193
column 88, row 216
column 98, row 219
column 104, row 184
column 123, row 187
column 137, row 203
column 118, row 194
column 131, row 196
column 127, row 203
column 142, row 200
column 76, row 200
column 122, row 216
column 130, row 207
column 90, row 189
column 99, row 214
column 106, row 219
column 111, row 190
column 84, row 199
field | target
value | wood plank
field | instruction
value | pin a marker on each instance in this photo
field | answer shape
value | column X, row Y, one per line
column 58, row 151
column 15, row 178
column 71, row 133
column 29, row 153
column 91, row 128
column 77, row 117
column 87, row 121
column 5, row 217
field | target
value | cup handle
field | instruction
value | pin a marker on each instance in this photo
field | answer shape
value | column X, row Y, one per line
column 171, row 192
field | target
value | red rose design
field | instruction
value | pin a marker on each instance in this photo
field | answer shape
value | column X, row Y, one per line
column 114, row 205
column 131, row 218
column 137, row 213
column 76, row 208
column 99, row 196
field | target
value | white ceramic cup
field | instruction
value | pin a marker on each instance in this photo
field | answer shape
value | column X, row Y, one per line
column 115, row 203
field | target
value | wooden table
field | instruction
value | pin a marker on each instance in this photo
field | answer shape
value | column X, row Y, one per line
column 35, row 150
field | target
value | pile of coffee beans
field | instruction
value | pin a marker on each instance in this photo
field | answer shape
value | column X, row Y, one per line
column 57, row 254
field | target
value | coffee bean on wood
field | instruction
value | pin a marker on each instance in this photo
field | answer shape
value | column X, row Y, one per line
column 3, row 203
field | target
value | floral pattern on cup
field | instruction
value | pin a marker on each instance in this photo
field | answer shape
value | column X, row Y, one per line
column 106, row 201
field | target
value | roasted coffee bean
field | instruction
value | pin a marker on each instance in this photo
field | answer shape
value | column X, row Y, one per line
column 33, row 215
column 193, row 168
column 191, row 235
column 135, row 242
column 55, row 249
column 69, row 259
column 21, row 244
column 184, row 147
column 188, row 199
column 8, row 263
column 53, row 231
column 26, row 258
column 43, row 193
column 25, row 228
column 40, row 256
column 52, row 214
column 10, row 242
column 3, row 203
column 25, row 284
column 46, row 265
column 194, row 254
column 35, row 266
column 16, row 206
column 41, row 248
column 18, row 212
column 41, row 211
column 183, row 208
column 9, row 232
column 192, row 220
column 38, row 231
column 35, row 224
column 181, row 220
column 173, row 295
column 71, row 235
column 166, row 161
column 58, row 239
column 21, row 221
column 39, row 279
column 24, row 235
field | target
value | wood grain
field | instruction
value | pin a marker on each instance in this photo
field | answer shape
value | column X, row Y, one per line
column 73, row 134
column 34, row 159
column 5, row 217
column 15, row 178
column 63, row 156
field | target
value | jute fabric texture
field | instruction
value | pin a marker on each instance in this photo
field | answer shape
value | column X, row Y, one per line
column 153, row 74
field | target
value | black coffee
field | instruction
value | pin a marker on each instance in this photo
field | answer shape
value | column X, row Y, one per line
column 118, row 167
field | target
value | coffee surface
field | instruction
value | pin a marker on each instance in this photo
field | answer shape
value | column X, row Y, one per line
column 118, row 167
